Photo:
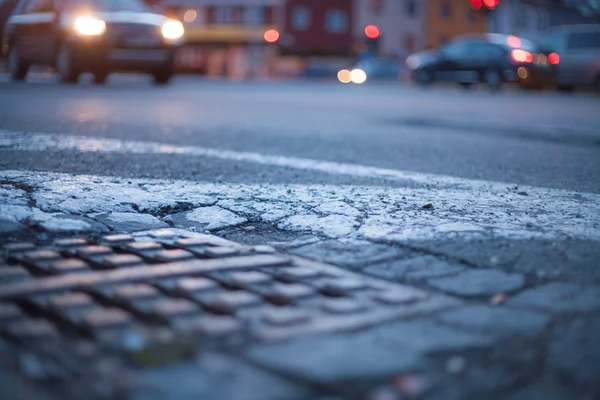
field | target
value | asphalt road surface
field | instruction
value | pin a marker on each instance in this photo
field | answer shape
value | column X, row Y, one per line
column 538, row 139
column 481, row 210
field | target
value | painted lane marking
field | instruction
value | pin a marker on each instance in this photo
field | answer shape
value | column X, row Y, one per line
column 25, row 141
column 375, row 213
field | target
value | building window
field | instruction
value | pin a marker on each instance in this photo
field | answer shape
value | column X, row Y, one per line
column 254, row 15
column 541, row 20
column 411, row 8
column 445, row 9
column 301, row 18
column 522, row 17
column 336, row 21
column 409, row 43
column 224, row 15
column 39, row 6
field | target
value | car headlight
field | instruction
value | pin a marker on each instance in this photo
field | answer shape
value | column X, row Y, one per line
column 172, row 30
column 89, row 26
column 358, row 76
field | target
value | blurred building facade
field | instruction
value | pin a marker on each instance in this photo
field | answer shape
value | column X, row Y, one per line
column 531, row 19
column 317, row 27
column 402, row 24
column 446, row 19
column 226, row 37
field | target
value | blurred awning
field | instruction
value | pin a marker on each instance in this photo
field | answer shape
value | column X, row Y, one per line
column 227, row 33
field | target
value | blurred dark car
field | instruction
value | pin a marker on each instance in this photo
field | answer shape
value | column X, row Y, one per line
column 6, row 9
column 574, row 55
column 492, row 59
column 98, row 36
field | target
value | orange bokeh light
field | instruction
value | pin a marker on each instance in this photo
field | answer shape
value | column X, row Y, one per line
column 372, row 31
column 522, row 56
column 271, row 36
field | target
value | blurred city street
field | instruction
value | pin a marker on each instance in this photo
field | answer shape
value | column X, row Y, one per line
column 300, row 199
column 487, row 203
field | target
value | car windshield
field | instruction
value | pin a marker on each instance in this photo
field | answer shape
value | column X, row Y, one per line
column 107, row 5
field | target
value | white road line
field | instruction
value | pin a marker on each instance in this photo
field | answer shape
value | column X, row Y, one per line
column 376, row 213
column 11, row 140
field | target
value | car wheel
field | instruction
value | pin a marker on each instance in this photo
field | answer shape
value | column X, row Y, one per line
column 16, row 67
column 564, row 88
column 100, row 77
column 423, row 77
column 65, row 66
column 466, row 85
column 493, row 79
column 162, row 77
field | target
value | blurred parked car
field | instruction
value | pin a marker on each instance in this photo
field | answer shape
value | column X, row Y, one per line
column 575, row 53
column 98, row 36
column 492, row 59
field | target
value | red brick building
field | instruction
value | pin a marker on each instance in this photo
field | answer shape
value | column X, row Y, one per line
column 318, row 27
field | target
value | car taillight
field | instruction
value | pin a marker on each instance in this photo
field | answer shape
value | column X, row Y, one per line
column 522, row 56
column 554, row 58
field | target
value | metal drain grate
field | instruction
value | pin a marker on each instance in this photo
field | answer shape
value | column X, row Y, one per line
column 152, row 295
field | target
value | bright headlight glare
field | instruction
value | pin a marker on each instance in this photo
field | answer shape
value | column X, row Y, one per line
column 89, row 26
column 358, row 76
column 172, row 30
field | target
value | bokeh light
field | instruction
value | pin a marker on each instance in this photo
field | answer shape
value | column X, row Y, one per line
column 491, row 4
column 477, row 4
column 190, row 16
column 513, row 41
column 358, row 76
column 553, row 58
column 344, row 76
column 271, row 36
column 523, row 73
column 522, row 56
column 372, row 32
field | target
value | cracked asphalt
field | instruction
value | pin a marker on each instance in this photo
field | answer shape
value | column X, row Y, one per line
column 490, row 200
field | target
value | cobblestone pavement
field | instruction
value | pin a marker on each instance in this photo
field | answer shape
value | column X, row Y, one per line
column 462, row 291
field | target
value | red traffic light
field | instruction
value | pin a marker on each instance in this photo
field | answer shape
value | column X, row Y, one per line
column 372, row 32
column 477, row 4
column 271, row 36
column 491, row 4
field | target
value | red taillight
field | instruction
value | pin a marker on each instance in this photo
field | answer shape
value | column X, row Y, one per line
column 491, row 4
column 522, row 56
column 553, row 58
